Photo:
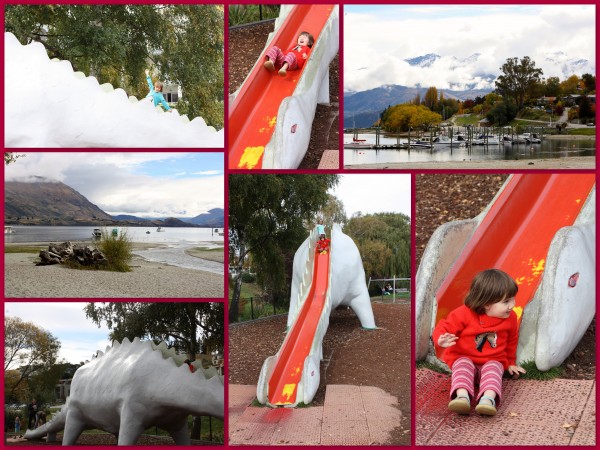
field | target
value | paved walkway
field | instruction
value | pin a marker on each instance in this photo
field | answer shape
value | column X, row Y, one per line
column 330, row 160
column 351, row 415
column 555, row 412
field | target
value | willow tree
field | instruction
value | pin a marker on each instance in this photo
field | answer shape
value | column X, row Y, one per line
column 267, row 214
column 183, row 44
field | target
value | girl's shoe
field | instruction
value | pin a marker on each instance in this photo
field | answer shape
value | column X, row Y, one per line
column 282, row 72
column 460, row 405
column 269, row 65
column 486, row 409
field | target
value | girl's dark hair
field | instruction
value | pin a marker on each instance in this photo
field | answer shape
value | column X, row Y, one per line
column 311, row 39
column 488, row 287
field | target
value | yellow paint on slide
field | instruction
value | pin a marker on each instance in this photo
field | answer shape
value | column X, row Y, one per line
column 288, row 390
column 518, row 311
column 271, row 121
column 250, row 157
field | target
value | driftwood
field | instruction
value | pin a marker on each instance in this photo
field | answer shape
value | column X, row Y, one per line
column 61, row 253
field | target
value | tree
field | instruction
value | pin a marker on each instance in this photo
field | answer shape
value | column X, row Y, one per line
column 589, row 83
column 431, row 99
column 28, row 350
column 383, row 240
column 115, row 43
column 570, row 85
column 10, row 158
column 332, row 212
column 267, row 214
column 552, row 88
column 193, row 328
column 502, row 113
column 518, row 79
column 586, row 110
column 405, row 116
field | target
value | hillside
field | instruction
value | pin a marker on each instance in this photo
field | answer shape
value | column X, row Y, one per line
column 50, row 203
column 213, row 218
column 362, row 109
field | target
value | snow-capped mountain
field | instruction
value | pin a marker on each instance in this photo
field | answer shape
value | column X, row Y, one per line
column 560, row 64
column 423, row 61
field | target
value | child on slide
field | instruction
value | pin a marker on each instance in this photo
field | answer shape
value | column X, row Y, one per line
column 293, row 59
column 156, row 92
column 480, row 338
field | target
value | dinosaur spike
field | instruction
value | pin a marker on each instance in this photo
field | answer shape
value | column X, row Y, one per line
column 136, row 340
column 99, row 354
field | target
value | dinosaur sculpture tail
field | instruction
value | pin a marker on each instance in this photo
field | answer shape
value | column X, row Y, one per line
column 57, row 423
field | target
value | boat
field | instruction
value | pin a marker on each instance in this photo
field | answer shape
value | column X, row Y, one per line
column 147, row 232
column 442, row 140
column 531, row 138
column 221, row 233
column 159, row 229
column 8, row 229
column 96, row 233
column 358, row 145
column 487, row 140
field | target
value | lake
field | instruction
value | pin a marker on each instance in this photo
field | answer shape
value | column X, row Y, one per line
column 550, row 148
column 192, row 236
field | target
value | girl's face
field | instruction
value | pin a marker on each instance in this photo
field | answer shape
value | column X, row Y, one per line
column 500, row 309
column 157, row 87
column 303, row 40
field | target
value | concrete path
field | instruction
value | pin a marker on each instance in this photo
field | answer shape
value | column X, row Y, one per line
column 330, row 160
column 555, row 412
column 351, row 415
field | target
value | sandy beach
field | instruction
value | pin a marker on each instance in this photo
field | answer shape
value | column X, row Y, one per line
column 575, row 162
column 23, row 279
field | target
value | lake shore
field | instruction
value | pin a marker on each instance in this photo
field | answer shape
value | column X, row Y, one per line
column 23, row 279
column 574, row 162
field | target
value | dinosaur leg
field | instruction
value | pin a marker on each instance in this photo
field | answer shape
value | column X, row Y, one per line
column 74, row 426
column 181, row 435
column 129, row 432
column 361, row 306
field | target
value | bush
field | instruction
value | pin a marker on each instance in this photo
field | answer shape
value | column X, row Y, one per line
column 117, row 250
column 247, row 277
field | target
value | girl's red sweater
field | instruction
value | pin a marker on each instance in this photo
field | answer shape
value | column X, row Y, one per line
column 480, row 337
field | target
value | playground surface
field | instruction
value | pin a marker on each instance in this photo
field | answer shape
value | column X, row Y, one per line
column 352, row 357
column 245, row 46
column 351, row 415
column 554, row 412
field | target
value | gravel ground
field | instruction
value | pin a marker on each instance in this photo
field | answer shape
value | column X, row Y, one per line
column 245, row 46
column 22, row 279
column 103, row 439
column 352, row 355
column 441, row 198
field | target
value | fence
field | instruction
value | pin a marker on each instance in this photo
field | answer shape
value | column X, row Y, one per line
column 389, row 288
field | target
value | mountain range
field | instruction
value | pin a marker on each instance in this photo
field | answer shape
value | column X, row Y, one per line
column 49, row 202
column 465, row 76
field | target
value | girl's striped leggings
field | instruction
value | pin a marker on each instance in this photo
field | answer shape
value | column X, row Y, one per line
column 464, row 372
column 278, row 57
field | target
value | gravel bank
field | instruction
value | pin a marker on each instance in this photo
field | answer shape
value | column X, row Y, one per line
column 22, row 279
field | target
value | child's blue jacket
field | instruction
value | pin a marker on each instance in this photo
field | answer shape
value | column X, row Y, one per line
column 157, row 97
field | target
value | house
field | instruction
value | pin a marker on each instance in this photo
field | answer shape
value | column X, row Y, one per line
column 484, row 123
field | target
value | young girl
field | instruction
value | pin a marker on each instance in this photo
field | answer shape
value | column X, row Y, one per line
column 481, row 337
column 293, row 59
column 156, row 92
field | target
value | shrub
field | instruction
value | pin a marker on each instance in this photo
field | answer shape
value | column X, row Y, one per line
column 116, row 249
column 247, row 277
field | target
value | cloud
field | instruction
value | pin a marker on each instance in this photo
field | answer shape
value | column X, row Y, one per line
column 371, row 194
column 380, row 38
column 140, row 184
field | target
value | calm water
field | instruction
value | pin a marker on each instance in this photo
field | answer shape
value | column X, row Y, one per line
column 177, row 241
column 550, row 148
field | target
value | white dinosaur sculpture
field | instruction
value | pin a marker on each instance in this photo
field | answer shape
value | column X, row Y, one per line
column 47, row 104
column 131, row 387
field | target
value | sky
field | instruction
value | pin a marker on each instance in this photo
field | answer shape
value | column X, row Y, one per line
column 378, row 38
column 140, row 184
column 79, row 337
column 376, row 193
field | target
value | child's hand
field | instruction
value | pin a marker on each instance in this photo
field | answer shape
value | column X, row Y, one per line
column 304, row 56
column 147, row 72
column 515, row 371
column 447, row 340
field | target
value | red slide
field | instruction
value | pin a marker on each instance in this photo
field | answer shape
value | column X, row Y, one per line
column 287, row 372
column 253, row 113
column 515, row 235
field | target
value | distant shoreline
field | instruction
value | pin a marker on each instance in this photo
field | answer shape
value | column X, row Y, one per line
column 573, row 162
